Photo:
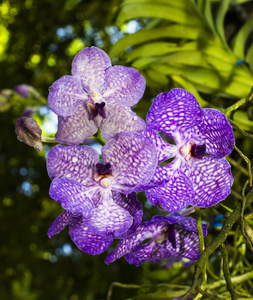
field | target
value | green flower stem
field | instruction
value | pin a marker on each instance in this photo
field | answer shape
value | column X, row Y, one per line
column 227, row 273
column 201, row 249
column 213, row 246
column 235, row 280
column 98, row 137
column 46, row 139
column 239, row 129
column 239, row 103
column 182, row 288
column 247, row 162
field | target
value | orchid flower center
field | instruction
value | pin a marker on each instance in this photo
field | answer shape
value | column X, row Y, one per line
column 96, row 97
column 104, row 174
column 99, row 109
column 192, row 151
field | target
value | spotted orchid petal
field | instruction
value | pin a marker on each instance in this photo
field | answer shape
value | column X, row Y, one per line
column 124, row 85
column 164, row 150
column 77, row 162
column 171, row 236
column 76, row 128
column 86, row 240
column 126, row 245
column 133, row 158
column 120, row 119
column 176, row 110
column 212, row 180
column 177, row 191
column 65, row 95
column 60, row 223
column 215, row 132
column 133, row 206
column 90, row 64
column 108, row 217
column 72, row 196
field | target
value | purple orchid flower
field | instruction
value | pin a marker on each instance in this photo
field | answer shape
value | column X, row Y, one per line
column 96, row 95
column 192, row 178
column 103, row 192
column 161, row 237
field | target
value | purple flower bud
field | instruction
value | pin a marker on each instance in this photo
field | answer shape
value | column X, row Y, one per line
column 23, row 90
column 29, row 132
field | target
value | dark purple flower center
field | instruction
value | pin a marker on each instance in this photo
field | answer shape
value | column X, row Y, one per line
column 104, row 169
column 198, row 151
column 172, row 236
column 99, row 110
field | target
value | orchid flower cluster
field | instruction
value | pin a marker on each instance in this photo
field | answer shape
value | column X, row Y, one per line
column 98, row 193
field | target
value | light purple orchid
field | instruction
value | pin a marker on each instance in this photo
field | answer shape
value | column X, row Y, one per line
column 96, row 95
column 161, row 237
column 103, row 192
column 85, row 239
column 192, row 178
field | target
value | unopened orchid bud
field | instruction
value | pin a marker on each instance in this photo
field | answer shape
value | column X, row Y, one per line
column 29, row 132
column 26, row 91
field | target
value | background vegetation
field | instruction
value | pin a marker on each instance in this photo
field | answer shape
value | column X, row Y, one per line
column 204, row 46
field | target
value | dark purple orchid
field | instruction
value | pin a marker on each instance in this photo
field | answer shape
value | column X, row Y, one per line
column 96, row 95
column 192, row 178
column 102, row 193
column 162, row 237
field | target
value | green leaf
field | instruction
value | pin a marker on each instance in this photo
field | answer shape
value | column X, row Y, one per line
column 208, row 14
column 172, row 31
column 241, row 38
column 148, row 10
column 222, row 10
column 70, row 4
column 249, row 56
column 185, row 4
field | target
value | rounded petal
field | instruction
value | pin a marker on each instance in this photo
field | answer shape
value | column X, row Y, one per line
column 86, row 240
column 76, row 128
column 212, row 180
column 133, row 206
column 177, row 191
column 174, row 111
column 59, row 223
column 71, row 195
column 65, row 95
column 144, row 231
column 133, row 158
column 215, row 132
column 164, row 150
column 124, row 85
column 108, row 217
column 120, row 119
column 77, row 162
column 90, row 64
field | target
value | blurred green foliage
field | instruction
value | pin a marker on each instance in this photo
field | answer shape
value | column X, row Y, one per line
column 203, row 46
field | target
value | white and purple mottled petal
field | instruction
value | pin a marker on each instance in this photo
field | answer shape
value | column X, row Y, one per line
column 133, row 206
column 188, row 243
column 76, row 128
column 143, row 231
column 215, row 132
column 177, row 191
column 65, row 95
column 90, row 64
column 176, row 110
column 71, row 195
column 59, row 223
column 164, row 150
column 119, row 119
column 124, row 85
column 77, row 162
column 86, row 240
column 108, row 217
column 212, row 180
column 133, row 159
